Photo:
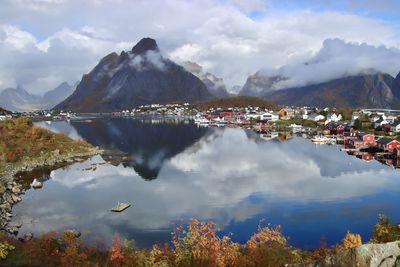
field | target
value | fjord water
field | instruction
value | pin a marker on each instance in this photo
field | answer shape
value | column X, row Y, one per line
column 171, row 172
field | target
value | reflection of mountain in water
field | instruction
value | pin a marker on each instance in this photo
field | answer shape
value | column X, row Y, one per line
column 147, row 145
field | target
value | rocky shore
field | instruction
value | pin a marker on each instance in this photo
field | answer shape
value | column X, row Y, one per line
column 11, row 190
column 367, row 255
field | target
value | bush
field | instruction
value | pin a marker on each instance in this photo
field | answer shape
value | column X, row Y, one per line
column 385, row 231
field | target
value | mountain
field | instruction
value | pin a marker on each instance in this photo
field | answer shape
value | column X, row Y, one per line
column 137, row 77
column 259, row 84
column 398, row 78
column 377, row 90
column 215, row 85
column 57, row 95
column 4, row 111
column 18, row 99
column 146, row 146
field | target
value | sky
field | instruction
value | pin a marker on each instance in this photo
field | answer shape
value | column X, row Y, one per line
column 46, row 42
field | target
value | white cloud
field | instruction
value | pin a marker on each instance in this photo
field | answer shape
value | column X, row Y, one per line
column 44, row 42
column 336, row 59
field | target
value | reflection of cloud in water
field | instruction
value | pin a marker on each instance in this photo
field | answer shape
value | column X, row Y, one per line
column 60, row 127
column 218, row 178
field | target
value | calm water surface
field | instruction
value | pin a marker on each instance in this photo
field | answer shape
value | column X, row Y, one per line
column 173, row 172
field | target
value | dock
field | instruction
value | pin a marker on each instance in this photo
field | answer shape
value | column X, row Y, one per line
column 120, row 207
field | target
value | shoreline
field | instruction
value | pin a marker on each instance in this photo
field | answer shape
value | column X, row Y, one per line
column 11, row 191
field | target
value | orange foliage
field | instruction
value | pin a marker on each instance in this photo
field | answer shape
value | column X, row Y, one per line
column 351, row 240
column 201, row 245
column 116, row 254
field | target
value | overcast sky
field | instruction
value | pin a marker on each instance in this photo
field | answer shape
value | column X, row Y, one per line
column 46, row 42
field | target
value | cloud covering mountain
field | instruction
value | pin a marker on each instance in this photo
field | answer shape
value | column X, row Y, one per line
column 41, row 46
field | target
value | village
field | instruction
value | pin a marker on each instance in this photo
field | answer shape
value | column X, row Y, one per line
column 368, row 134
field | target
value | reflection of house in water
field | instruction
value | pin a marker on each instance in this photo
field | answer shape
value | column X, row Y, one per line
column 142, row 146
column 268, row 136
column 391, row 162
column 285, row 136
column 364, row 156
column 275, row 136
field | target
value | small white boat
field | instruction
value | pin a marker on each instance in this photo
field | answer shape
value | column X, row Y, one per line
column 202, row 122
column 321, row 140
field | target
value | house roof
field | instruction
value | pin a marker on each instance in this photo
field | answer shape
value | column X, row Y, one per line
column 384, row 140
column 362, row 134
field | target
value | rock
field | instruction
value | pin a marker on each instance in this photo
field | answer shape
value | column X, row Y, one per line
column 36, row 184
column 73, row 233
column 15, row 198
column 13, row 230
column 2, row 189
column 5, row 206
column 16, row 190
column 27, row 237
column 368, row 255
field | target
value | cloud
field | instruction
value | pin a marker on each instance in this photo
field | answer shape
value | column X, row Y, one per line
column 151, row 59
column 41, row 45
column 336, row 59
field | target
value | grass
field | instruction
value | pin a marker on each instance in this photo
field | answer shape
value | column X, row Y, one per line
column 21, row 140
column 298, row 121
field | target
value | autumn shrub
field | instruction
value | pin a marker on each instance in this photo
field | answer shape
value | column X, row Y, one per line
column 351, row 241
column 5, row 249
column 385, row 231
column 43, row 251
column 268, row 247
column 199, row 245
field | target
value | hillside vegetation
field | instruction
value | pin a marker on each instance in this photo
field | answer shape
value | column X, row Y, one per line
column 198, row 244
column 237, row 101
column 20, row 141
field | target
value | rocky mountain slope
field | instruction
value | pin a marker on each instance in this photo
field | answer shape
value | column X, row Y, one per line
column 137, row 77
column 365, row 90
column 215, row 85
column 259, row 84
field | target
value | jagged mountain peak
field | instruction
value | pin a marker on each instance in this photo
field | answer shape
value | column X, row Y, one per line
column 145, row 45
column 133, row 78
column 398, row 78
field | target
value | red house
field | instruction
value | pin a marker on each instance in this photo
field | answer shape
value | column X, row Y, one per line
column 387, row 144
column 362, row 139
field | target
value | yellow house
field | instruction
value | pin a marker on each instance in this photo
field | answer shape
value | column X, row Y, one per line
column 286, row 113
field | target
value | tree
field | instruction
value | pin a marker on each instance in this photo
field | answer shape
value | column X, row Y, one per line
column 357, row 124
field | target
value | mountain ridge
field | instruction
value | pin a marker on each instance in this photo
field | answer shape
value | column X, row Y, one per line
column 18, row 99
column 378, row 90
column 137, row 77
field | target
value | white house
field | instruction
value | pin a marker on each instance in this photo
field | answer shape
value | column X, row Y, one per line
column 390, row 118
column 270, row 116
column 317, row 117
column 252, row 115
column 396, row 128
column 333, row 117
